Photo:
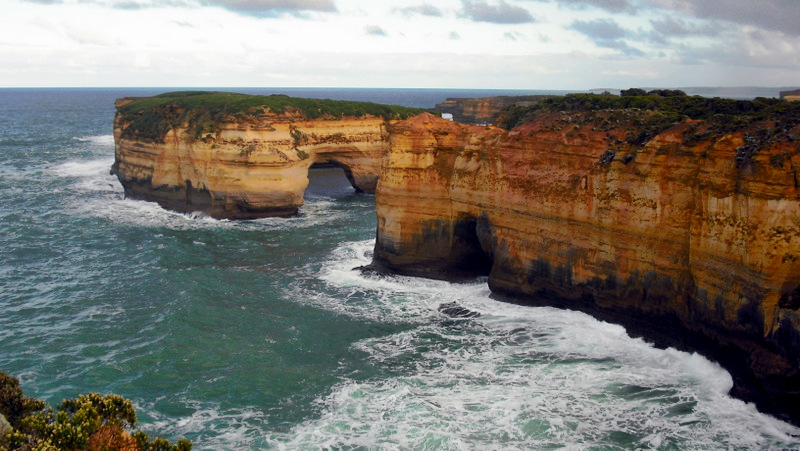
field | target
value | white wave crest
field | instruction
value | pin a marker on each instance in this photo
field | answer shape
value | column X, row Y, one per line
column 368, row 296
column 98, row 140
column 99, row 168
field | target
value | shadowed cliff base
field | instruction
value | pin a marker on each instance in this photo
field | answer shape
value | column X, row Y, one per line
column 771, row 384
column 672, row 215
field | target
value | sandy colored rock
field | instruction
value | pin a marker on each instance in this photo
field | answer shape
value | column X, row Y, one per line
column 689, row 238
column 247, row 170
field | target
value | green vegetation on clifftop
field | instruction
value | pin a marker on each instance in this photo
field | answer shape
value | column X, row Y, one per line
column 729, row 114
column 151, row 118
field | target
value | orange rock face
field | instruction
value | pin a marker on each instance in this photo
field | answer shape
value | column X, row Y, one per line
column 248, row 170
column 687, row 236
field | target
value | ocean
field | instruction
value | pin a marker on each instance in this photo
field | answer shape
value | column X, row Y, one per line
column 261, row 335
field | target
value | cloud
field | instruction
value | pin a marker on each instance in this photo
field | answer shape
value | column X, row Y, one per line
column 454, row 36
column 599, row 29
column 258, row 8
column 615, row 6
column 374, row 30
column 423, row 10
column 513, row 35
column 502, row 13
column 670, row 26
column 272, row 8
column 778, row 15
column 606, row 33
column 137, row 5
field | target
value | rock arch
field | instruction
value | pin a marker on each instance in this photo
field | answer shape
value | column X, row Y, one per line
column 248, row 170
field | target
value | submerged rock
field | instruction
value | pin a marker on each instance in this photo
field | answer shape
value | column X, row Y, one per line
column 453, row 310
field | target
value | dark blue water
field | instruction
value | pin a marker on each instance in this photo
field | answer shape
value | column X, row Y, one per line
column 259, row 334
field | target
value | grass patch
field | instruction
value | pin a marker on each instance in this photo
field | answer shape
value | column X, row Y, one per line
column 151, row 118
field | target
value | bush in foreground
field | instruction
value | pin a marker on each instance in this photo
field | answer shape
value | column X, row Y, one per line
column 88, row 422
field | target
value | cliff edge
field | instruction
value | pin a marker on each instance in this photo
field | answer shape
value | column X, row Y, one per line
column 682, row 225
column 240, row 156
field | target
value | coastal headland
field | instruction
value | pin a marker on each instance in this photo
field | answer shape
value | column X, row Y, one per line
column 676, row 216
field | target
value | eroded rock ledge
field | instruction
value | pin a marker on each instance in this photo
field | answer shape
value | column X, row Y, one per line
column 240, row 157
column 688, row 234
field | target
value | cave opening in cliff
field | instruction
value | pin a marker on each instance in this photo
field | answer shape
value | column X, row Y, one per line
column 471, row 255
column 328, row 180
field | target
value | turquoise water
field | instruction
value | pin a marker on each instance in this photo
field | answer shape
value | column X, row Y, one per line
column 259, row 334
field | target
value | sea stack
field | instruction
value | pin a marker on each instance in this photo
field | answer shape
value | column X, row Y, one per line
column 237, row 156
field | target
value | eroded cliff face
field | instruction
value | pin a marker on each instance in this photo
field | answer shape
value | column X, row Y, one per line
column 688, row 236
column 246, row 168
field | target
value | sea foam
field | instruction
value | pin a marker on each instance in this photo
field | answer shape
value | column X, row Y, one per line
column 516, row 377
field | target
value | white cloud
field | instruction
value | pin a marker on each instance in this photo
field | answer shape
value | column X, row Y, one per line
column 567, row 44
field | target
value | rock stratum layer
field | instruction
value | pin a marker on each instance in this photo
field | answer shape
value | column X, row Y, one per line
column 242, row 157
column 687, row 235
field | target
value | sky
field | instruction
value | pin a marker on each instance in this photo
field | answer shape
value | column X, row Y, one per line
column 478, row 44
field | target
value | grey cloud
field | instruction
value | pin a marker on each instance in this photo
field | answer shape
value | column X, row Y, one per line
column 374, row 30
column 134, row 5
column 502, row 13
column 671, row 27
column 513, row 35
column 273, row 8
column 423, row 10
column 129, row 5
column 599, row 29
column 616, row 6
column 606, row 33
column 779, row 15
column 623, row 47
column 454, row 35
column 258, row 8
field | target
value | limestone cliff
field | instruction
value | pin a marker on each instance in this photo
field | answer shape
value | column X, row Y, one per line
column 235, row 156
column 686, row 231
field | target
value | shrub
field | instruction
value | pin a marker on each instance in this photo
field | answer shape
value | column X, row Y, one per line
column 92, row 422
column 725, row 115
